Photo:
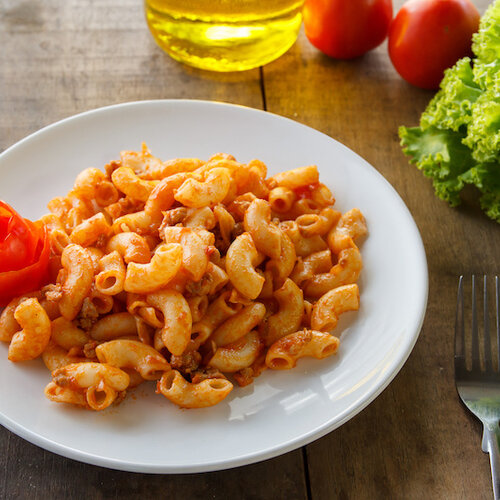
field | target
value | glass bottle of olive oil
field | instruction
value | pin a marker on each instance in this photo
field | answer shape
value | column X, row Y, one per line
column 224, row 35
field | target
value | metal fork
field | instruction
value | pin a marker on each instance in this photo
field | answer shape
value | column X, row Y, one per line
column 479, row 387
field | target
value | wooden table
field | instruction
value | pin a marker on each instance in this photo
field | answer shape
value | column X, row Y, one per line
column 415, row 440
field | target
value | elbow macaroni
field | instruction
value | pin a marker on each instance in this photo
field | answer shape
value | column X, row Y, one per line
column 284, row 353
column 183, row 271
column 266, row 236
column 99, row 383
column 212, row 190
column 237, row 355
column 78, row 278
column 34, row 337
column 240, row 324
column 177, row 319
column 131, row 246
column 289, row 315
column 124, row 353
column 111, row 278
column 242, row 258
column 164, row 265
column 188, row 395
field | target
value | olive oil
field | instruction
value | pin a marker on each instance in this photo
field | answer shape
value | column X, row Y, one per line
column 224, row 35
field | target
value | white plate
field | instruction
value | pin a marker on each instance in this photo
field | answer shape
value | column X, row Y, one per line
column 281, row 410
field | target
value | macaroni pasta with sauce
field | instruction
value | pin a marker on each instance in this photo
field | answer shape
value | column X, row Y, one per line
column 194, row 274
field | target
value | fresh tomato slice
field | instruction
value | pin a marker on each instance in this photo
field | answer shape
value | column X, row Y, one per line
column 18, row 239
column 4, row 224
column 24, row 254
column 15, row 283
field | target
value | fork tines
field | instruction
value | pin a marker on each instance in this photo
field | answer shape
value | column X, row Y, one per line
column 460, row 338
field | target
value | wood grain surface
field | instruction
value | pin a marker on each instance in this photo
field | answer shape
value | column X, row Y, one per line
column 415, row 440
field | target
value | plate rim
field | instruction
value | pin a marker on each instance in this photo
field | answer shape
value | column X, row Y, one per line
column 257, row 456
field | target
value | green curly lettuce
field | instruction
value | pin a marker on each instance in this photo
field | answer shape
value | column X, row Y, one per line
column 486, row 47
column 451, row 107
column 485, row 73
column 483, row 132
column 486, row 42
column 486, row 177
column 441, row 156
column 458, row 140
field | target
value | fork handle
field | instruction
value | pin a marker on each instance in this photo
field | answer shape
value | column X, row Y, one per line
column 490, row 439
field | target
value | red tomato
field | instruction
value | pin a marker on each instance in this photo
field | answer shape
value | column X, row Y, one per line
column 24, row 254
column 345, row 29
column 428, row 36
column 18, row 239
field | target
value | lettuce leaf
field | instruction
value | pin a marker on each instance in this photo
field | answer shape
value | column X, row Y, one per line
column 441, row 155
column 458, row 140
column 486, row 42
column 486, row 178
column 483, row 132
column 451, row 107
column 484, row 73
